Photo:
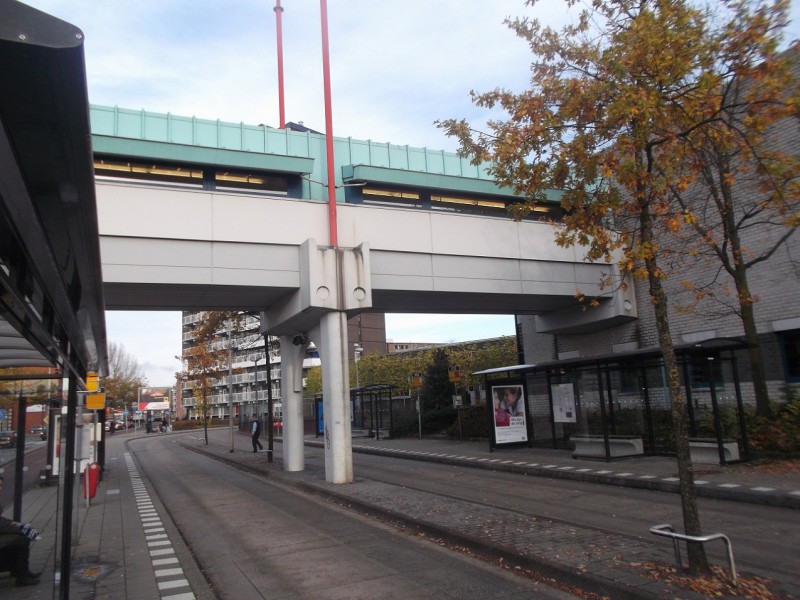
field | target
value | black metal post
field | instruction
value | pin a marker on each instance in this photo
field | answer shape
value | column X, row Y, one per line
column 270, row 426
column 715, row 407
column 651, row 434
column 611, row 412
column 19, row 463
column 552, row 412
column 740, row 406
column 606, row 443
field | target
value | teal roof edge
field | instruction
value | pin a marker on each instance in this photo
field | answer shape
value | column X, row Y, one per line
column 113, row 146
column 139, row 133
column 432, row 181
column 166, row 128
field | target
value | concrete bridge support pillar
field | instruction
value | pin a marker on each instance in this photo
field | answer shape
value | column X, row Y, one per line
column 333, row 281
column 293, row 350
column 330, row 339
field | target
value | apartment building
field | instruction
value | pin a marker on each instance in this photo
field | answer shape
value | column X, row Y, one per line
column 251, row 376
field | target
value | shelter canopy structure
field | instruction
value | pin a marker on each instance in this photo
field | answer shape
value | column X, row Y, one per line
column 51, row 299
column 617, row 405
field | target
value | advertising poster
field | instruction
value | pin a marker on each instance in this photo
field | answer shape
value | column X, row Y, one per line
column 510, row 424
column 563, row 403
column 154, row 398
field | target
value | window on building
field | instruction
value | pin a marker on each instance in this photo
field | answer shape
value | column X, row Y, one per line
column 491, row 207
column 165, row 173
column 468, row 205
column 249, row 181
column 630, row 380
column 190, row 175
column 385, row 197
column 790, row 348
column 477, row 204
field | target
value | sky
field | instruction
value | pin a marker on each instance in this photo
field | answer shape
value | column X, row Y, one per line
column 397, row 66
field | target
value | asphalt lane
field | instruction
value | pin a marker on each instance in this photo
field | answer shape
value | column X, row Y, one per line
column 35, row 454
column 256, row 539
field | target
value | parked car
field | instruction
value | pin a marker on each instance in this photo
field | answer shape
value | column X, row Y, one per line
column 8, row 439
column 37, row 429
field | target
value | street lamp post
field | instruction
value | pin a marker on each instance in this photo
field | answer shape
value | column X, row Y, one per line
column 256, row 401
column 187, row 410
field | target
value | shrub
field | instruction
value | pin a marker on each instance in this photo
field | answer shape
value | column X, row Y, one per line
column 779, row 434
column 729, row 423
column 438, row 420
column 405, row 427
column 474, row 423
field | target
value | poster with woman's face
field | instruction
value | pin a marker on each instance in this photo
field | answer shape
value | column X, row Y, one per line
column 508, row 403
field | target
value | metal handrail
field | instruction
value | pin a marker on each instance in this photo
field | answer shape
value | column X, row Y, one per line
column 667, row 530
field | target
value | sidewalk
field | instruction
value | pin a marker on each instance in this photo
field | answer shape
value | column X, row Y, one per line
column 120, row 536
column 113, row 558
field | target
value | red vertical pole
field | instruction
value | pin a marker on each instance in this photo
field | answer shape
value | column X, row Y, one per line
column 281, row 106
column 326, row 76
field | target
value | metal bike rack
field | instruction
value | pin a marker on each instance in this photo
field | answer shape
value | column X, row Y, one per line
column 668, row 531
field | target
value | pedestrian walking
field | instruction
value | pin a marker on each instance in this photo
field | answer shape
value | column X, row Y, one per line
column 255, row 432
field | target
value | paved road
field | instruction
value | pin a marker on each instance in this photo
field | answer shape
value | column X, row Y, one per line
column 257, row 539
column 764, row 537
column 35, row 451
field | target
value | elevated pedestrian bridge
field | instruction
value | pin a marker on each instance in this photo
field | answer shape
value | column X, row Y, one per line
column 176, row 249
column 197, row 214
column 204, row 215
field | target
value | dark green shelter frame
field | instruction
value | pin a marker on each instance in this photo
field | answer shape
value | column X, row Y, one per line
column 604, row 407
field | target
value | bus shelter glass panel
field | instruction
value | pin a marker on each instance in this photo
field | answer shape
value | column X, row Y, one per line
column 544, row 431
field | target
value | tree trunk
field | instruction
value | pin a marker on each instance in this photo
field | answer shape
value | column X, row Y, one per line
column 698, row 562
column 205, row 421
column 737, row 268
column 763, row 407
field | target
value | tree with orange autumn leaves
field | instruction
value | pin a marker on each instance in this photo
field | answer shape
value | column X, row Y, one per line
column 208, row 359
column 624, row 108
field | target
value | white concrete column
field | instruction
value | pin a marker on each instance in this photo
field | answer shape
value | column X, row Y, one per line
column 331, row 341
column 292, row 398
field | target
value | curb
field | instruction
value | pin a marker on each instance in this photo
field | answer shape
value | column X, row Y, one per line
column 776, row 499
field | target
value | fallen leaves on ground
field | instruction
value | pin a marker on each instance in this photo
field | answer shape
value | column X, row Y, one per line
column 773, row 466
column 716, row 585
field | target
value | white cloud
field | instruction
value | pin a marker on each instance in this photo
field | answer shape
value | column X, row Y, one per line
column 443, row 329
column 153, row 338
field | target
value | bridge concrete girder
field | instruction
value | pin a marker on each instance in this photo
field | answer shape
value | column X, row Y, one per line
column 168, row 249
column 331, row 279
column 176, row 249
